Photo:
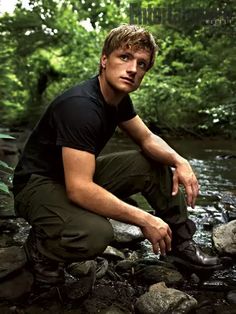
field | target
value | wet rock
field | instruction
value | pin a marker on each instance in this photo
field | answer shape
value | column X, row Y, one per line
column 12, row 259
column 228, row 199
column 160, row 286
column 113, row 252
column 231, row 297
column 224, row 238
column 115, row 310
column 6, row 206
column 165, row 302
column 143, row 262
column 225, row 157
column 154, row 273
column 124, row 266
column 80, row 269
column 8, row 227
column 124, row 233
column 215, row 285
column 194, row 279
column 16, row 286
column 78, row 290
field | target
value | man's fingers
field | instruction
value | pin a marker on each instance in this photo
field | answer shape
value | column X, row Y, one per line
column 175, row 187
column 168, row 243
column 195, row 193
column 189, row 192
column 162, row 245
column 156, row 248
column 192, row 193
column 169, row 233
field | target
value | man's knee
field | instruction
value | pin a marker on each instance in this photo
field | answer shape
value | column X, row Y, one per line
column 89, row 242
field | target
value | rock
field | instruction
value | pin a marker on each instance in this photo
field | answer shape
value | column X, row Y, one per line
column 154, row 273
column 16, row 286
column 113, row 252
column 224, row 238
column 12, row 260
column 231, row 297
column 80, row 269
column 124, row 233
column 78, row 290
column 215, row 285
column 7, row 206
column 113, row 309
column 225, row 157
column 8, row 227
column 228, row 199
column 124, row 266
column 165, row 302
column 160, row 286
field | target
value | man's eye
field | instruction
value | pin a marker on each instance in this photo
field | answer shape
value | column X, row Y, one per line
column 124, row 57
column 142, row 65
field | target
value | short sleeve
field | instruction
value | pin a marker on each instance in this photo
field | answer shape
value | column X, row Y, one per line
column 126, row 109
column 77, row 124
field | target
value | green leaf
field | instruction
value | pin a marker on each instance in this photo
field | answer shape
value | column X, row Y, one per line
column 4, row 188
column 5, row 168
column 6, row 136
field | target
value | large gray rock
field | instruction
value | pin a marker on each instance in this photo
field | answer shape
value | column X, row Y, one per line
column 125, row 232
column 224, row 238
column 154, row 273
column 165, row 301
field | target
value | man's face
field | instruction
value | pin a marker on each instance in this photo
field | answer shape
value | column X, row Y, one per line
column 125, row 68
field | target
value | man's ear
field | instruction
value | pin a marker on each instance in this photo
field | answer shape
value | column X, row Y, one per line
column 103, row 61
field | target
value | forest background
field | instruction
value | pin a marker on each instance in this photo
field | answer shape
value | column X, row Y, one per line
column 50, row 45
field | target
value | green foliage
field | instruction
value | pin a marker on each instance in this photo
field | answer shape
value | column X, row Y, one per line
column 47, row 48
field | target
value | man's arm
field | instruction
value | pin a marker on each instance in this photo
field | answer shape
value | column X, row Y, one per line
column 157, row 149
column 79, row 168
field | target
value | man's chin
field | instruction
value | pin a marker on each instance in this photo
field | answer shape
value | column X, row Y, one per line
column 127, row 88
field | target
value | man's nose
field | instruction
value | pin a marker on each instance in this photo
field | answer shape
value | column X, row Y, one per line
column 132, row 68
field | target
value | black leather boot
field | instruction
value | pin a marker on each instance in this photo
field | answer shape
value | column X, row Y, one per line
column 45, row 270
column 191, row 255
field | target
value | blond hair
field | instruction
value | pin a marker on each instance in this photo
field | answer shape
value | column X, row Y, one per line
column 130, row 36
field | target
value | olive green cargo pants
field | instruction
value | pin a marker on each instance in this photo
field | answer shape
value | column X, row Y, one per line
column 69, row 233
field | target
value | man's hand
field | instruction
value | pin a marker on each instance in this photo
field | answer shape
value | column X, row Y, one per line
column 159, row 234
column 184, row 174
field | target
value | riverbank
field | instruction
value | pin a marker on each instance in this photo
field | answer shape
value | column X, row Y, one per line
column 127, row 275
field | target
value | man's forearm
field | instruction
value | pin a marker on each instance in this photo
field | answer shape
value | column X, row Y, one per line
column 157, row 149
column 93, row 197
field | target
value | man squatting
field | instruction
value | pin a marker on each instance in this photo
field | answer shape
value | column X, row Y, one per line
column 67, row 192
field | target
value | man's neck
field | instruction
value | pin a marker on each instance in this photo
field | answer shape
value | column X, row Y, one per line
column 112, row 96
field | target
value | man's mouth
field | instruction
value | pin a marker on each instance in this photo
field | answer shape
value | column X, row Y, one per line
column 128, row 79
